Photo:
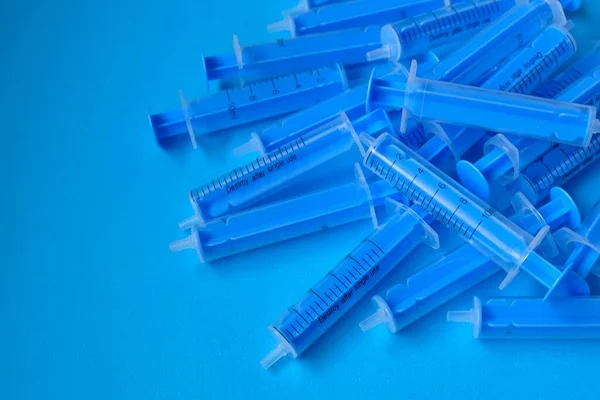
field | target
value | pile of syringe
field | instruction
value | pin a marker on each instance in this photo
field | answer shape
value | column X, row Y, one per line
column 400, row 95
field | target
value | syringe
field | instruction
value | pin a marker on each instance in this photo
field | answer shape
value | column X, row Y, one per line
column 404, row 39
column 477, row 223
column 285, row 56
column 333, row 143
column 287, row 219
column 463, row 268
column 528, row 318
column 509, row 33
column 275, row 171
column 353, row 101
column 583, row 246
column 491, row 110
column 522, row 73
column 353, row 14
column 349, row 281
column 253, row 101
column 504, row 158
column 572, row 74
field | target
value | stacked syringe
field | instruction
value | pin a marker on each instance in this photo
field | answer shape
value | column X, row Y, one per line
column 381, row 104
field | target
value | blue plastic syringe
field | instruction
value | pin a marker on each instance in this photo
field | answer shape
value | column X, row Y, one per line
column 493, row 235
column 463, row 268
column 510, row 32
column 522, row 73
column 287, row 219
column 570, row 75
column 504, row 158
column 404, row 39
column 529, row 318
column 285, row 56
column 317, row 153
column 353, row 101
column 353, row 14
column 253, row 101
column 461, row 105
column 584, row 245
column 348, row 282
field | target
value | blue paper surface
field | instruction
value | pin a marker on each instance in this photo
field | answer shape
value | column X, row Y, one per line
column 93, row 305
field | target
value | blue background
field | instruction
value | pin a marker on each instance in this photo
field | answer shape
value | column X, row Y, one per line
column 92, row 302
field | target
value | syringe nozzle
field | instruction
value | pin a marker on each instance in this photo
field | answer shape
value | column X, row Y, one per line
column 274, row 355
column 183, row 244
column 377, row 318
column 251, row 146
column 190, row 222
column 461, row 316
column 383, row 52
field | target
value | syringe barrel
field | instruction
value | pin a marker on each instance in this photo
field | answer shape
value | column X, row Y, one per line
column 477, row 223
column 283, row 220
column 503, row 162
column 277, row 170
column 350, row 280
column 522, row 73
column 284, row 56
column 358, row 14
column 532, row 318
column 507, row 34
column 570, row 75
column 511, row 113
column 426, row 31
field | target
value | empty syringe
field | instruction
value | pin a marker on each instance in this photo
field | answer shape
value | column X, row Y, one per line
column 349, row 281
column 287, row 219
column 253, row 101
column 529, row 318
column 504, row 158
column 492, row 110
column 583, row 246
column 404, row 39
column 285, row 56
column 353, row 14
column 493, row 235
column 522, row 73
column 277, row 170
column 463, row 268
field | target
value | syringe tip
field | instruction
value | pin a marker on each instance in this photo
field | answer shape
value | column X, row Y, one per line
column 461, row 316
column 183, row 244
column 510, row 275
column 380, row 53
column 189, row 222
column 274, row 355
column 251, row 146
column 377, row 318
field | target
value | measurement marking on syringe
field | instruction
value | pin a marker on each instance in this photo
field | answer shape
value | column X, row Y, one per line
column 342, row 282
column 300, row 315
column 359, row 264
column 324, row 302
